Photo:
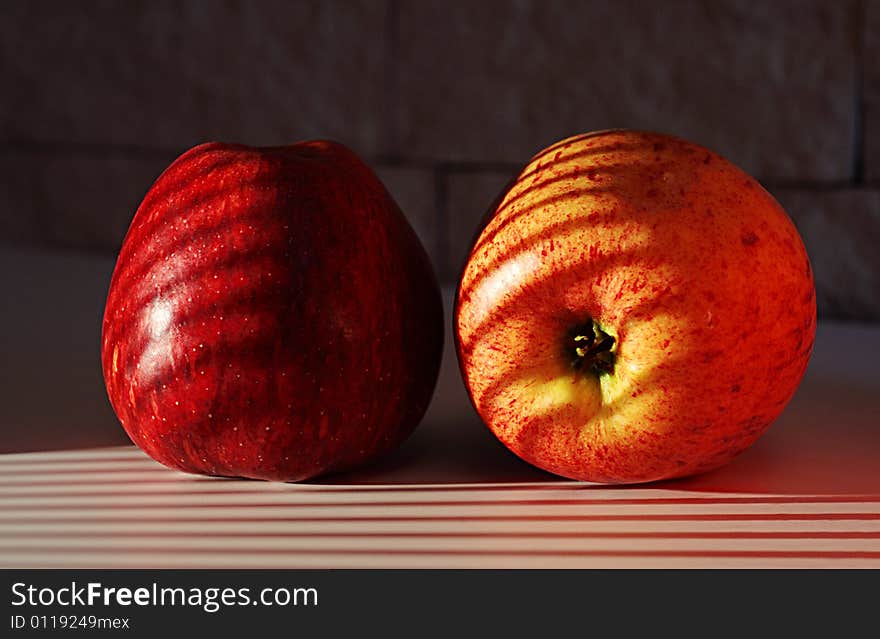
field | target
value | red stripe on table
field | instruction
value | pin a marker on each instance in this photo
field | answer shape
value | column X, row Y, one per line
column 416, row 504
column 459, row 535
column 792, row 554
column 428, row 518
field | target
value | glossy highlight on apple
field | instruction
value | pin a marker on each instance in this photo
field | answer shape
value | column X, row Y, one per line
column 272, row 315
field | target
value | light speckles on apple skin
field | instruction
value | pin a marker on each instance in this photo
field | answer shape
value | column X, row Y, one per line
column 695, row 267
column 272, row 315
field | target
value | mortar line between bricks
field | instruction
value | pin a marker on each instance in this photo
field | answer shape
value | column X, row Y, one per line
column 60, row 148
column 480, row 167
column 10, row 147
column 398, row 161
column 63, row 147
column 58, row 247
column 859, row 151
column 829, row 186
column 441, row 219
column 390, row 124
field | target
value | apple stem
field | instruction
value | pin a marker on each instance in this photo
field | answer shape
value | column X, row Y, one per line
column 591, row 349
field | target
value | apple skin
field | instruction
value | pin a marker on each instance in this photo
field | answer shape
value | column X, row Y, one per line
column 272, row 315
column 687, row 263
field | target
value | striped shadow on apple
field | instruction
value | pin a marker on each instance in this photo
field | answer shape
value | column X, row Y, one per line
column 272, row 315
column 634, row 308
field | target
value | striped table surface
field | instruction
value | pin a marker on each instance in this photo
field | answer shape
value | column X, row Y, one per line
column 114, row 507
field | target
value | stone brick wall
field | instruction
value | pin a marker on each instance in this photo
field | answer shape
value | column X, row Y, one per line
column 446, row 100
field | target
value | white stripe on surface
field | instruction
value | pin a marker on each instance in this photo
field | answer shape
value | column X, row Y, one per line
column 101, row 529
column 65, row 559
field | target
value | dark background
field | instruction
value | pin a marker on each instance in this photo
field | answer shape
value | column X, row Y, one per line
column 446, row 100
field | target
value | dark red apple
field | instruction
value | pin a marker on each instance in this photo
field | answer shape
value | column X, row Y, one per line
column 271, row 315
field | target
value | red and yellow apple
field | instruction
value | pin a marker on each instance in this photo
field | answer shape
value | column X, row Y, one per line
column 634, row 308
column 271, row 315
